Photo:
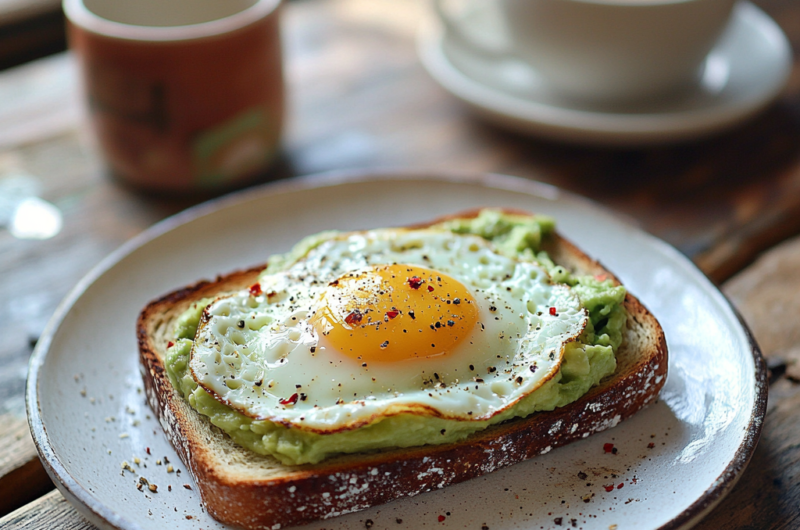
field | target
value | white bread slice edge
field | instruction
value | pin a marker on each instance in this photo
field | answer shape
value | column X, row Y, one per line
column 251, row 491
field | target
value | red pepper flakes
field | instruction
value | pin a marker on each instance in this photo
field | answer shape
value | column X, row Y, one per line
column 609, row 488
column 620, row 486
column 255, row 289
column 608, row 448
column 170, row 344
column 392, row 314
column 553, row 311
column 415, row 282
column 291, row 400
column 651, row 445
column 353, row 318
column 430, row 288
column 442, row 518
column 147, row 449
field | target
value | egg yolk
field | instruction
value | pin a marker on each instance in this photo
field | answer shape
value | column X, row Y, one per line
column 394, row 313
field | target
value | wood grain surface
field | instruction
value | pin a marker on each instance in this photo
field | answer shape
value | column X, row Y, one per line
column 19, row 466
column 359, row 99
column 46, row 513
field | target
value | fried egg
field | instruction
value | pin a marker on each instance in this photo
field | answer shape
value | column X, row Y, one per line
column 371, row 324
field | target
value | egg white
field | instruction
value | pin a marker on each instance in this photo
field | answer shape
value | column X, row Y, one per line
column 254, row 353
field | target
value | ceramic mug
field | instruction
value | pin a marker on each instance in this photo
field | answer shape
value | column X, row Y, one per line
column 183, row 94
column 605, row 50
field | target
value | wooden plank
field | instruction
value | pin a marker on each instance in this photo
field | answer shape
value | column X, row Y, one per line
column 19, row 464
column 39, row 101
column 49, row 512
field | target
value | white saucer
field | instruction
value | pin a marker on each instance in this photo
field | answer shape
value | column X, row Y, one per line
column 746, row 70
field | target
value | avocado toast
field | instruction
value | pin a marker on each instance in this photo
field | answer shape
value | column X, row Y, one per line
column 251, row 490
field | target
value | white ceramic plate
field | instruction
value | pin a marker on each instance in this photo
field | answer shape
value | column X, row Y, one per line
column 745, row 71
column 87, row 411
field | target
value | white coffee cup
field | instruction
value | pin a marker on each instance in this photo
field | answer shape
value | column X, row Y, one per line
column 605, row 50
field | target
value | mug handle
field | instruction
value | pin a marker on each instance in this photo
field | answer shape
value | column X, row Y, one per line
column 454, row 29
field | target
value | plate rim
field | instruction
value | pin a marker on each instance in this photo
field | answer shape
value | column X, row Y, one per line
column 106, row 517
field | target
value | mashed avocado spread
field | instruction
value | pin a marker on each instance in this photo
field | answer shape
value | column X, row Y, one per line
column 586, row 361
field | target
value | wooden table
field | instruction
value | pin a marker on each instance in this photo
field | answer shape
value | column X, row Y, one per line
column 359, row 98
column 30, row 29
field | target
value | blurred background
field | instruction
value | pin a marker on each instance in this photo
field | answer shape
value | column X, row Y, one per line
column 29, row 30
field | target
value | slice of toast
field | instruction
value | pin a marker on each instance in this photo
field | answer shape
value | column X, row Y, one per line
column 242, row 488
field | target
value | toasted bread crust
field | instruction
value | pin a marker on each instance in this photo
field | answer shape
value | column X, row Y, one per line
column 257, row 492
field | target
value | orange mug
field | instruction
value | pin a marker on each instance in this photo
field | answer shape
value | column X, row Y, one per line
column 183, row 94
